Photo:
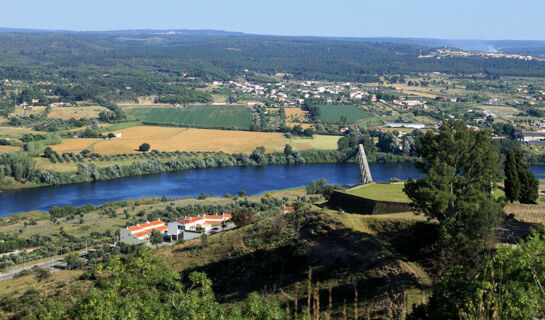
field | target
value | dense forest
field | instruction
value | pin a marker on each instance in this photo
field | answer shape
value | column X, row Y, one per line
column 140, row 59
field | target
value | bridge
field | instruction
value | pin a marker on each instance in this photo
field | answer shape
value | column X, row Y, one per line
column 364, row 166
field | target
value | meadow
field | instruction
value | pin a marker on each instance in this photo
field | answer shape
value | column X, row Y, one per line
column 381, row 191
column 75, row 112
column 184, row 139
column 332, row 114
column 203, row 116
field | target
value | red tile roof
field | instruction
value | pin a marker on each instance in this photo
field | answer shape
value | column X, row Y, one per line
column 144, row 232
column 146, row 225
column 289, row 209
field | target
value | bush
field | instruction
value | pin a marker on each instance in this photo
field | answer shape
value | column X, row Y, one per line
column 242, row 216
column 144, row 147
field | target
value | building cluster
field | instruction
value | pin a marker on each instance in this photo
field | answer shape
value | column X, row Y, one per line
column 186, row 228
column 447, row 52
column 410, row 103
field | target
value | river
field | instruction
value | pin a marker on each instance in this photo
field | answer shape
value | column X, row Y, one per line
column 217, row 181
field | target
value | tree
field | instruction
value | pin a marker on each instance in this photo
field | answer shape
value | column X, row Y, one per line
column 74, row 261
column 111, row 135
column 298, row 130
column 387, row 142
column 144, row 147
column 204, row 239
column 309, row 132
column 242, row 216
column 461, row 166
column 520, row 183
column 288, row 149
column 156, row 237
column 529, row 185
column 512, row 182
column 41, row 273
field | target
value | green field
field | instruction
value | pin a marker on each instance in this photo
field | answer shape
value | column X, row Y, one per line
column 332, row 114
column 197, row 116
column 385, row 192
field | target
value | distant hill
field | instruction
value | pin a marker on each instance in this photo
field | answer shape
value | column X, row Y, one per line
column 526, row 47
column 164, row 55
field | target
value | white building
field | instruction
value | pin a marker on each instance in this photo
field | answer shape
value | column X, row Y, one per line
column 187, row 227
column 140, row 233
column 405, row 125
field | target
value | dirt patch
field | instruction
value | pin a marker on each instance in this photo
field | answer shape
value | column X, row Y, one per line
column 529, row 213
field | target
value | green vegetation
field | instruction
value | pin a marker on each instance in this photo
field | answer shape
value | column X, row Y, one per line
column 520, row 183
column 461, row 166
column 381, row 191
column 198, row 116
column 338, row 113
column 508, row 286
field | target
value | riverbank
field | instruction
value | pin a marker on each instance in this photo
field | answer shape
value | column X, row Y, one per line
column 90, row 169
column 217, row 181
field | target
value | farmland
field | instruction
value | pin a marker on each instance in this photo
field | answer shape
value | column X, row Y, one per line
column 184, row 139
column 74, row 112
column 294, row 116
column 203, row 116
column 332, row 114
column 8, row 149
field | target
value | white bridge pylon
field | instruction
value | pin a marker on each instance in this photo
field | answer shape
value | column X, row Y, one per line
column 364, row 166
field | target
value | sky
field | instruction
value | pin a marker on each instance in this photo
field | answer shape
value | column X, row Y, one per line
column 459, row 19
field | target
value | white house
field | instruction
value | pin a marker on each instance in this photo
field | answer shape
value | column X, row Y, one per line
column 187, row 227
column 140, row 233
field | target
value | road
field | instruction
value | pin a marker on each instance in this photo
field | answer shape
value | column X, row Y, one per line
column 46, row 264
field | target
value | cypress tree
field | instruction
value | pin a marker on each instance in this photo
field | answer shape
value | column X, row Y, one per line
column 512, row 183
column 529, row 191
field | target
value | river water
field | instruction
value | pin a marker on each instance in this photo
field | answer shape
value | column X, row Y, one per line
column 217, row 181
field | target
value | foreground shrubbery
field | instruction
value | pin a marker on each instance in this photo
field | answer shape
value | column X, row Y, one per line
column 141, row 287
column 508, row 286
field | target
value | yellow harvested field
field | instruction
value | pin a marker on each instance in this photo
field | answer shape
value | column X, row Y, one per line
column 29, row 110
column 416, row 91
column 8, row 149
column 294, row 116
column 76, row 145
column 183, row 139
column 75, row 112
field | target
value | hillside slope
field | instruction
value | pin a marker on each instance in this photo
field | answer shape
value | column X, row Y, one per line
column 273, row 257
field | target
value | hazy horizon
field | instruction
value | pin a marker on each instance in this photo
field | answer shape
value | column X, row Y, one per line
column 463, row 20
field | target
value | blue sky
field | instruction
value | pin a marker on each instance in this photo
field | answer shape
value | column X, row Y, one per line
column 454, row 19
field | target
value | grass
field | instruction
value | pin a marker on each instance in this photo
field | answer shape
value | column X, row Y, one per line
column 75, row 112
column 16, row 132
column 332, row 114
column 204, row 116
column 501, row 111
column 183, row 139
column 381, row 191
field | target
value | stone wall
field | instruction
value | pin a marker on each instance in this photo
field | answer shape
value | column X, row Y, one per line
column 356, row 204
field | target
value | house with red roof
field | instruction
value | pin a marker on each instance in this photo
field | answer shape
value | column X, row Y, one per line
column 140, row 233
column 186, row 228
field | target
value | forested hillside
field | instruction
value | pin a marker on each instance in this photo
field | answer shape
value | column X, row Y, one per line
column 219, row 57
